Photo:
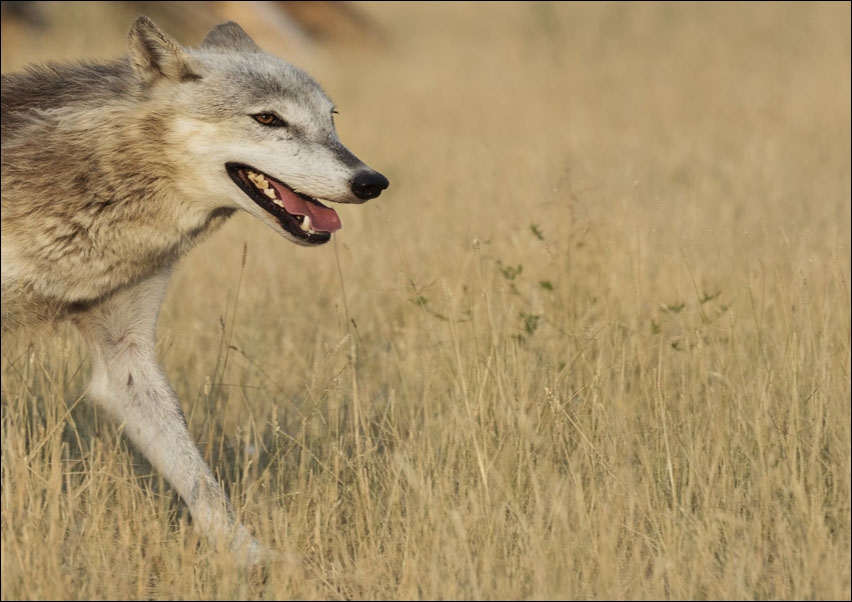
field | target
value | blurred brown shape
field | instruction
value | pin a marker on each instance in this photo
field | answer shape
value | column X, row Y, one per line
column 37, row 31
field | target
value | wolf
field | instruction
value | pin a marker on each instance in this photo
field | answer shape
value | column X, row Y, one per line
column 112, row 171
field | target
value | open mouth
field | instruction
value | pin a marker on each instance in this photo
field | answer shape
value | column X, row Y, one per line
column 303, row 217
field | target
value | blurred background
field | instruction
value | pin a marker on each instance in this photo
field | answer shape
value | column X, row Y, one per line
column 35, row 31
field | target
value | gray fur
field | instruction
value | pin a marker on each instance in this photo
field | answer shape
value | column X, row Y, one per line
column 230, row 37
column 111, row 172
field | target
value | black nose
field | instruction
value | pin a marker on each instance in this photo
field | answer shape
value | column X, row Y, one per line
column 369, row 184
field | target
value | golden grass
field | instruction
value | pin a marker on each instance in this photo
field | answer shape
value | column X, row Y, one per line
column 594, row 342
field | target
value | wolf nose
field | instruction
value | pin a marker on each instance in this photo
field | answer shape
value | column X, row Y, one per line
column 369, row 185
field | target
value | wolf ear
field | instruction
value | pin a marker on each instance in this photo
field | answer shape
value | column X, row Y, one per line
column 154, row 54
column 230, row 36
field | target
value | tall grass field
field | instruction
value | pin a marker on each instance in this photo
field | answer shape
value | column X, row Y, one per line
column 593, row 342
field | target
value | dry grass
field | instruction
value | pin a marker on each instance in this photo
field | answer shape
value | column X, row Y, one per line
column 593, row 343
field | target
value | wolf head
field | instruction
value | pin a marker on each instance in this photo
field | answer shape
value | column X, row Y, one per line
column 252, row 131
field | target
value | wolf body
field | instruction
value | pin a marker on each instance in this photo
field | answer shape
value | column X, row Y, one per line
column 111, row 172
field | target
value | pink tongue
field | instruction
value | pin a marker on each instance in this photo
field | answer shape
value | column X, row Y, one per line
column 323, row 219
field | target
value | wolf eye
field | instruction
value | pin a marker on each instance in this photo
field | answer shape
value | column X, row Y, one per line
column 270, row 119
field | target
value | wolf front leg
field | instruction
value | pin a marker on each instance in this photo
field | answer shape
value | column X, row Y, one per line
column 131, row 385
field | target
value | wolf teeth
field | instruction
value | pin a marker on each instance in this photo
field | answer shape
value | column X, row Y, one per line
column 306, row 225
column 258, row 180
column 263, row 185
column 266, row 188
